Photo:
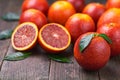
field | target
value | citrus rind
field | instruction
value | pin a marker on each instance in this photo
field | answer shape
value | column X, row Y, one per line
column 49, row 47
column 31, row 44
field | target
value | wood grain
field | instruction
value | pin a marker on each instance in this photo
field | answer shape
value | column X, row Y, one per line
column 70, row 71
column 112, row 70
column 38, row 66
column 35, row 67
column 4, row 8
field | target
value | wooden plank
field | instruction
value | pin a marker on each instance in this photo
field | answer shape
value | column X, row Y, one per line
column 70, row 71
column 4, row 8
column 36, row 67
column 112, row 70
column 3, row 49
column 64, row 71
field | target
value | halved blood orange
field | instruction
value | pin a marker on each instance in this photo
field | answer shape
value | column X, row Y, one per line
column 24, row 36
column 54, row 37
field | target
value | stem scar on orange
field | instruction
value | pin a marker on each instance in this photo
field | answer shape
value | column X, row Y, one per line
column 24, row 36
column 54, row 37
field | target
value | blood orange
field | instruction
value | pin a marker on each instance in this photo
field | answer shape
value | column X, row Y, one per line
column 113, row 31
column 95, row 10
column 95, row 55
column 35, row 16
column 78, row 4
column 24, row 36
column 60, row 11
column 54, row 37
column 112, row 4
column 41, row 5
column 78, row 24
column 112, row 15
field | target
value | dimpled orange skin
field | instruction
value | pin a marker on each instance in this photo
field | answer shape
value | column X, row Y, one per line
column 112, row 4
column 78, row 24
column 35, row 16
column 111, row 15
column 112, row 30
column 41, row 5
column 95, row 10
column 60, row 11
column 95, row 56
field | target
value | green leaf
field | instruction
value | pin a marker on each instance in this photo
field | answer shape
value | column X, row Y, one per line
column 59, row 58
column 85, row 41
column 10, row 17
column 5, row 34
column 106, row 38
column 17, row 56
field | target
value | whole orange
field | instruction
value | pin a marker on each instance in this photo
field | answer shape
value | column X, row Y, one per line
column 113, row 31
column 113, row 4
column 95, row 55
column 111, row 15
column 78, row 4
column 78, row 24
column 35, row 16
column 60, row 11
column 95, row 10
column 41, row 5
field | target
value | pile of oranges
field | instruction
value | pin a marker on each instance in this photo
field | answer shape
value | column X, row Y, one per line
column 55, row 26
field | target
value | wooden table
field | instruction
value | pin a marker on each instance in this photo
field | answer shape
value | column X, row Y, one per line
column 38, row 66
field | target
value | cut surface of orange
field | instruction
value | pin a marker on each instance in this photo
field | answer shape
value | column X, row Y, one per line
column 54, row 37
column 24, row 36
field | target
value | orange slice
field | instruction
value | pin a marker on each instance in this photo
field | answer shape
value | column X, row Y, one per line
column 24, row 36
column 54, row 37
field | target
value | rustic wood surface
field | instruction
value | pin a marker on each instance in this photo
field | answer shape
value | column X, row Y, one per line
column 38, row 66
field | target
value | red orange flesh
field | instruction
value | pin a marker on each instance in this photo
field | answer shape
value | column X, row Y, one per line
column 54, row 37
column 24, row 36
